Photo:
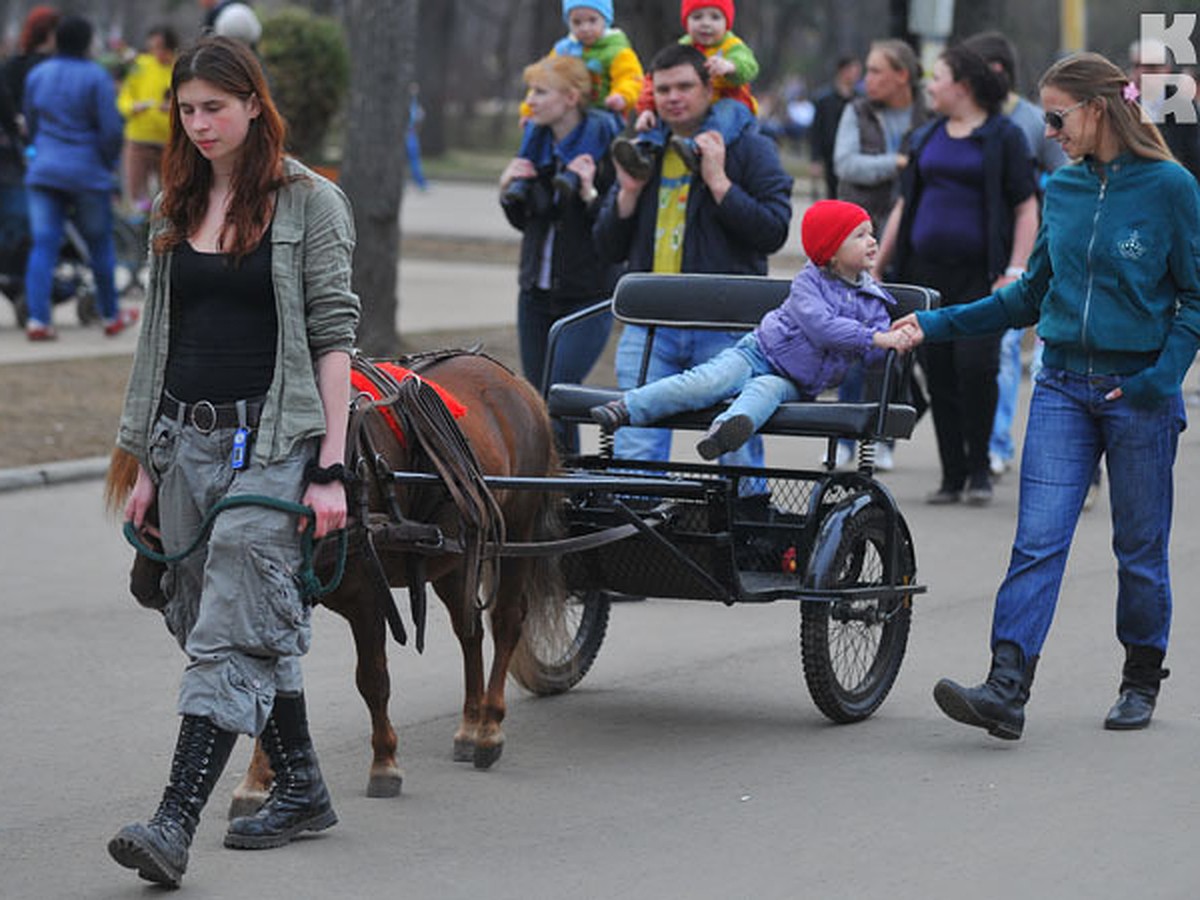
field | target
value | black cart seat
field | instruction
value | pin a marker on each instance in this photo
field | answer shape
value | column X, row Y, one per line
column 737, row 303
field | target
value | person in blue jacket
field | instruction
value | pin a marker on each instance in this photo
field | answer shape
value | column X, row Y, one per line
column 75, row 141
column 724, row 219
column 1113, row 285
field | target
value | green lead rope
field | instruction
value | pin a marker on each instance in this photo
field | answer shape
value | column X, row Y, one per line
column 311, row 588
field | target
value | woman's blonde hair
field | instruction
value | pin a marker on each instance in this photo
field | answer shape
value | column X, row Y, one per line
column 1089, row 77
column 563, row 73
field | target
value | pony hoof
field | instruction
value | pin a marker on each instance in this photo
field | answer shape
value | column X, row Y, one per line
column 387, row 785
column 485, row 757
column 246, row 804
column 464, row 750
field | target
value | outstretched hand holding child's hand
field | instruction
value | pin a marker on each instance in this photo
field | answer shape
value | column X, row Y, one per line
column 909, row 326
column 902, row 337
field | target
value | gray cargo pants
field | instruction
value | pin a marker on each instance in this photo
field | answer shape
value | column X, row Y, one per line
column 234, row 605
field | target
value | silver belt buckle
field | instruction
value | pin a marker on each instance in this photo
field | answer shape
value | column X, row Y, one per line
column 203, row 416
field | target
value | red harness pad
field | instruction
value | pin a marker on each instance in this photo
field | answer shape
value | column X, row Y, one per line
column 363, row 385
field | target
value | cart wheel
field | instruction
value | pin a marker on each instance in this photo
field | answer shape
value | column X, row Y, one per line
column 851, row 650
column 558, row 649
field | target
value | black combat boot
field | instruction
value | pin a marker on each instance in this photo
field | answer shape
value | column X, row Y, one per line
column 299, row 800
column 1140, row 679
column 999, row 703
column 159, row 848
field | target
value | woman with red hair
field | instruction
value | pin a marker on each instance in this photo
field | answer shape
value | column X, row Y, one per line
column 240, row 385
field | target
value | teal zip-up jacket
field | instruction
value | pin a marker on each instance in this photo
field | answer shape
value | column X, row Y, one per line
column 1113, row 283
column 312, row 242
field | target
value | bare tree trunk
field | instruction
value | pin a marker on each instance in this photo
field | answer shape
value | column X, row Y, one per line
column 435, row 50
column 381, row 37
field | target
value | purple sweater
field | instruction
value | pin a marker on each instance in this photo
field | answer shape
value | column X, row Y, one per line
column 823, row 327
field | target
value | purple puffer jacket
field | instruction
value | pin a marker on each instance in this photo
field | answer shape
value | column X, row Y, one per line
column 823, row 327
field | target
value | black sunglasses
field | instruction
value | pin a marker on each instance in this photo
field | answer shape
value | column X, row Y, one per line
column 1057, row 118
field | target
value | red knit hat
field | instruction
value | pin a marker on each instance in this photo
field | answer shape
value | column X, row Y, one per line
column 687, row 7
column 826, row 225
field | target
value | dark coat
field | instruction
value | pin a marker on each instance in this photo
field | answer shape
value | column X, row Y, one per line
column 733, row 238
column 1008, row 181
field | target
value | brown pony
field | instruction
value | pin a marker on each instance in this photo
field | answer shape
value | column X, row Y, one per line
column 506, row 426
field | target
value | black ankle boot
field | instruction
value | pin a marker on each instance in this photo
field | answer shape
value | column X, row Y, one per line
column 299, row 800
column 633, row 157
column 725, row 436
column 1140, row 680
column 159, row 848
column 611, row 415
column 999, row 703
column 517, row 192
column 688, row 152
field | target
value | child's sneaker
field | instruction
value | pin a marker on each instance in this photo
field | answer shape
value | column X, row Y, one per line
column 124, row 319
column 566, row 186
column 725, row 435
column 36, row 331
column 632, row 158
column 686, row 148
column 610, row 416
column 516, row 193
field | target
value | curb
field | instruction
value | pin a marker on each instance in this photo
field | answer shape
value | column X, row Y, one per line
column 47, row 474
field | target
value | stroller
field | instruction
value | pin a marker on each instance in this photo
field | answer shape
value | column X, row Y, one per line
column 73, row 280
column 72, row 276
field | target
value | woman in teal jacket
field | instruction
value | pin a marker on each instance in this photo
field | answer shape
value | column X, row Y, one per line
column 1113, row 285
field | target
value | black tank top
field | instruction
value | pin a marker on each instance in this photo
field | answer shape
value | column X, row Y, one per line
column 223, row 325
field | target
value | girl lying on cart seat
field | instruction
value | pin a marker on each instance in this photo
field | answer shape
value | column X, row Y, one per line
column 834, row 315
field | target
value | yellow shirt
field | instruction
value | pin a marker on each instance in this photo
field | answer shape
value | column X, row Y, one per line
column 673, row 189
column 148, row 81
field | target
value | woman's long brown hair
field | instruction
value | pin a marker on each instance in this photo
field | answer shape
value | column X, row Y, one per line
column 230, row 66
column 1092, row 78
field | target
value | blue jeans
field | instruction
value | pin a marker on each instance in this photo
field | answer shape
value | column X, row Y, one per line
column 578, row 347
column 727, row 117
column 675, row 350
column 740, row 370
column 1070, row 426
column 91, row 211
column 1008, row 381
column 412, row 147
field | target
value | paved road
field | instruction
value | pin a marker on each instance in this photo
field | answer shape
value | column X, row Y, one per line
column 689, row 763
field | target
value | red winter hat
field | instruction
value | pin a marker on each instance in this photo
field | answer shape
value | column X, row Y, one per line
column 826, row 225
column 687, row 7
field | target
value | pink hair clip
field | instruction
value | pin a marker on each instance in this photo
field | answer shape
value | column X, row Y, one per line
column 1130, row 92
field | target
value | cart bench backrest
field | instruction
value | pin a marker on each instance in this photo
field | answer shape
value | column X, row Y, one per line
column 725, row 302
column 737, row 303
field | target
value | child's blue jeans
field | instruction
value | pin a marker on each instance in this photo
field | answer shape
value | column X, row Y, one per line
column 741, row 370
column 727, row 117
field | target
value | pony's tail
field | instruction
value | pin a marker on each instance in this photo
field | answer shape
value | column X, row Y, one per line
column 122, row 473
column 545, row 592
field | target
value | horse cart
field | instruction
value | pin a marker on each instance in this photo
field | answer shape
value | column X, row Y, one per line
column 833, row 541
column 463, row 491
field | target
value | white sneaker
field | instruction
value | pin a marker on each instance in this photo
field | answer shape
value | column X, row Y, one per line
column 845, row 453
column 885, row 461
column 997, row 464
